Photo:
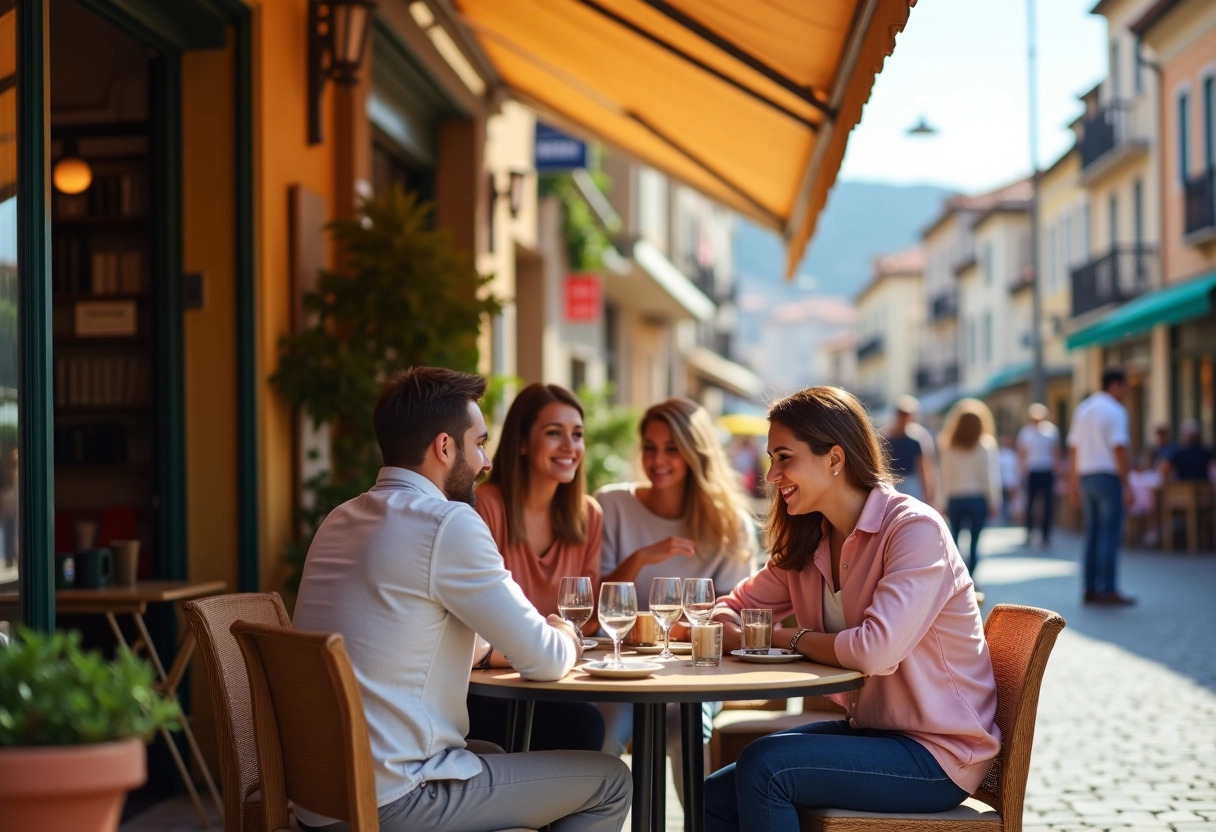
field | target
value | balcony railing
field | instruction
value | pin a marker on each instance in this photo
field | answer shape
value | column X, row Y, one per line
column 1201, row 202
column 870, row 346
column 1124, row 273
column 924, row 378
column 933, row 376
column 943, row 305
column 1104, row 131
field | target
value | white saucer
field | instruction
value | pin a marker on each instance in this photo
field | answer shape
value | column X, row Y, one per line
column 774, row 655
column 591, row 644
column 677, row 647
column 631, row 670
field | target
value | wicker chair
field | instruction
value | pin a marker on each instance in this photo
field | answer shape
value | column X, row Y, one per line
column 311, row 733
column 1020, row 640
column 210, row 620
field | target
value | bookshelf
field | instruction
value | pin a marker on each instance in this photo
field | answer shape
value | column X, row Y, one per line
column 102, row 324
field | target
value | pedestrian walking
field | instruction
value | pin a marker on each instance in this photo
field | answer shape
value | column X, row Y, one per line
column 910, row 455
column 971, row 472
column 1098, row 480
column 1038, row 446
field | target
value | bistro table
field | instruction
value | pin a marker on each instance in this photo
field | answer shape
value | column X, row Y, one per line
column 133, row 601
column 677, row 681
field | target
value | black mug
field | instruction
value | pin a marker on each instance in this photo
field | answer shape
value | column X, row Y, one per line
column 94, row 567
column 65, row 570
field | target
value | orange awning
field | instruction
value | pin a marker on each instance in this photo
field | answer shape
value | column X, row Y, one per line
column 750, row 103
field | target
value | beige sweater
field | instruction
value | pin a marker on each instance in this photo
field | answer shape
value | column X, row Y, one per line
column 974, row 472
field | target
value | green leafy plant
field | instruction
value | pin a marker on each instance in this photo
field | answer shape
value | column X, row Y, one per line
column 52, row 692
column 405, row 295
column 609, row 432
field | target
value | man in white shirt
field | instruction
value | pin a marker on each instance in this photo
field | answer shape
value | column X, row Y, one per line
column 1098, row 479
column 409, row 575
column 1038, row 446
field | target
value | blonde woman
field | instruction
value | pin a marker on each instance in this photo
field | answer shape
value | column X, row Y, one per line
column 690, row 518
column 969, row 458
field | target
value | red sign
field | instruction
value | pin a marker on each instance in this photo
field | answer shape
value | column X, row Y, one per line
column 583, row 300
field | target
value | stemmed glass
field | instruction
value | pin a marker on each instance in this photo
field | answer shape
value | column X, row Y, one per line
column 617, row 613
column 574, row 603
column 665, row 606
column 699, row 599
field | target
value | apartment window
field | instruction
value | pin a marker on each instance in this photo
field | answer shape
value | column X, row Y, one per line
column 1084, row 247
column 1184, row 131
column 1138, row 212
column 1112, row 221
column 988, row 264
column 1053, row 270
column 1114, row 71
column 1138, row 71
column 1066, row 241
column 1209, row 124
column 970, row 342
column 988, row 337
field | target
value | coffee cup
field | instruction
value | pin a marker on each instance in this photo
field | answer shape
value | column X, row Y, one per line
column 645, row 632
column 65, row 570
column 94, row 568
column 757, row 630
column 707, row 644
column 126, row 561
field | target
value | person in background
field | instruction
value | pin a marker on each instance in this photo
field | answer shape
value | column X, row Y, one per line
column 1162, row 446
column 1011, row 479
column 1098, row 467
column 688, row 520
column 910, row 452
column 1039, row 456
column 970, row 472
column 878, row 586
column 546, row 528
column 1190, row 460
column 408, row 574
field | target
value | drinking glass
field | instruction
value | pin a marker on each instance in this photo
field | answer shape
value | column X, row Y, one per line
column 618, row 611
column 574, row 603
column 665, row 605
column 699, row 599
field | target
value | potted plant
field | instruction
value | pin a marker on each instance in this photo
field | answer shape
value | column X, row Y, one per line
column 72, row 731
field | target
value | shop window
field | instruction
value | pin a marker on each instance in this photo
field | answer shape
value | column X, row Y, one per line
column 390, row 167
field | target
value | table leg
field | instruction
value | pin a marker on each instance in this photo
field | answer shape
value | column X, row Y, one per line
column 643, row 766
column 519, row 725
column 169, row 688
column 694, row 766
column 658, row 773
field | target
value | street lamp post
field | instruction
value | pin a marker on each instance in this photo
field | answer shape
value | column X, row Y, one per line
column 1036, row 288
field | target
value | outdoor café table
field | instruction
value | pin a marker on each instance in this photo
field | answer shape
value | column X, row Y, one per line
column 678, row 681
column 133, row 600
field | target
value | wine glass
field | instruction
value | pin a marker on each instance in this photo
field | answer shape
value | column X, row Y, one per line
column 574, row 603
column 699, row 599
column 618, row 612
column 665, row 606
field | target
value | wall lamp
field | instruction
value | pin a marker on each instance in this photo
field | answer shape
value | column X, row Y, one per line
column 514, row 191
column 337, row 39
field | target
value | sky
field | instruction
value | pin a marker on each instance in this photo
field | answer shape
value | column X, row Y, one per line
column 962, row 65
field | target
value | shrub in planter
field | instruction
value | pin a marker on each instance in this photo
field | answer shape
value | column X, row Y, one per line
column 72, row 731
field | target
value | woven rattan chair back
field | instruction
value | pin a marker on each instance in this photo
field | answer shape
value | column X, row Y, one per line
column 309, row 725
column 210, row 621
column 1019, row 639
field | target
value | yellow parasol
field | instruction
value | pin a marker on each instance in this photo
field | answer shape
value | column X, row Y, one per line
column 744, row 424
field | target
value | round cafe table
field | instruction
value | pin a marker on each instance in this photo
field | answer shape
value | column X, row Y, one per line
column 677, row 681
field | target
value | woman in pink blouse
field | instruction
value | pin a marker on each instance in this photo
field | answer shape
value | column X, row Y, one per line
column 877, row 585
column 547, row 527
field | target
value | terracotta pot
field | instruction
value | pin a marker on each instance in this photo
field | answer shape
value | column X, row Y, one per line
column 69, row 788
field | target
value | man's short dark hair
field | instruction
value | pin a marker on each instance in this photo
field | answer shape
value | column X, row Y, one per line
column 1113, row 376
column 418, row 404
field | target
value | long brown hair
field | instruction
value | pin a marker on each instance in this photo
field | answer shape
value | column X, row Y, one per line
column 966, row 422
column 511, row 472
column 822, row 417
column 713, row 500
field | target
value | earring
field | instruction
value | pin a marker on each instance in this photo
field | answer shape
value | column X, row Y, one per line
column 836, row 472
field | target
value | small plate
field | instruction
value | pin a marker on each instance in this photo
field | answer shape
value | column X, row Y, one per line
column 631, row 670
column 591, row 644
column 774, row 654
column 677, row 647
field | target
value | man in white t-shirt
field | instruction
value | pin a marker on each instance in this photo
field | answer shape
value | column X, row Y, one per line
column 1098, row 480
column 1038, row 447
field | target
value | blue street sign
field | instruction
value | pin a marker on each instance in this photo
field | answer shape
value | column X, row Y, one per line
column 556, row 151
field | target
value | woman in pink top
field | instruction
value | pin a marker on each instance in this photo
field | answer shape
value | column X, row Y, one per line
column 877, row 585
column 547, row 527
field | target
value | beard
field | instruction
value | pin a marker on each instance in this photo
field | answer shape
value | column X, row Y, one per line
column 460, row 484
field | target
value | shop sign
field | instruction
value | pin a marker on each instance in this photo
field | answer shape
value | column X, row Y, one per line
column 583, row 303
column 556, row 152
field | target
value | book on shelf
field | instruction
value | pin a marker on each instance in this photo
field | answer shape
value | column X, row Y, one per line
column 101, row 381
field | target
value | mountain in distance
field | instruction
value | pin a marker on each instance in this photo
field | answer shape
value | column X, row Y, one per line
column 780, row 323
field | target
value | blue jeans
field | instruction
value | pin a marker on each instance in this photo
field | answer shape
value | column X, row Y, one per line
column 1102, row 508
column 971, row 513
column 825, row 764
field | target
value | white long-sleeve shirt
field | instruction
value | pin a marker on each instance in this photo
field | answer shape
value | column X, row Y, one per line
column 975, row 472
column 408, row 578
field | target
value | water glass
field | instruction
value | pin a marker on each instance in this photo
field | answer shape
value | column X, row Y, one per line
column 665, row 605
column 757, row 630
column 699, row 599
column 617, row 612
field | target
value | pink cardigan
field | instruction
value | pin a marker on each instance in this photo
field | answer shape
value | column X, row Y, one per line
column 914, row 628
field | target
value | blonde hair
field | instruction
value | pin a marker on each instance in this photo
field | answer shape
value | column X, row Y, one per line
column 713, row 499
column 966, row 422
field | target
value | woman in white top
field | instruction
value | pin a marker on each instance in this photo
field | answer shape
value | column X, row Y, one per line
column 969, row 458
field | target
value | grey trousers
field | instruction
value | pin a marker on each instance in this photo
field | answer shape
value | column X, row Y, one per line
column 568, row 791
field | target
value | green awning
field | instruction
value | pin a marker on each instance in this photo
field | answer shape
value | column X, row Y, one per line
column 1013, row 374
column 1171, row 305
